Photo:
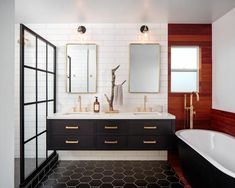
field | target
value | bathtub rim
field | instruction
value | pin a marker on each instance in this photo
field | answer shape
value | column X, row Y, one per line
column 207, row 157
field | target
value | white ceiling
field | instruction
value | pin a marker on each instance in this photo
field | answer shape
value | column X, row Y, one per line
column 121, row 11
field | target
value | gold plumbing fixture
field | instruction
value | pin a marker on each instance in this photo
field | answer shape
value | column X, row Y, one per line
column 145, row 103
column 110, row 127
column 150, row 127
column 189, row 110
column 71, row 127
column 72, row 142
column 149, row 141
column 111, row 142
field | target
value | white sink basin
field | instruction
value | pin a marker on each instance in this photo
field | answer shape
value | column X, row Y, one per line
column 148, row 113
column 77, row 113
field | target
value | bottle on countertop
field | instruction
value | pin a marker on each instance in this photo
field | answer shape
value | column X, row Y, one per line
column 96, row 105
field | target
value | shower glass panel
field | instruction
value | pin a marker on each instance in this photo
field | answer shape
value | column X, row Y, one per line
column 42, row 55
column 29, row 85
column 51, row 54
column 42, row 151
column 41, row 117
column 29, row 49
column 50, row 85
column 37, row 101
column 29, row 121
column 30, row 157
column 42, row 86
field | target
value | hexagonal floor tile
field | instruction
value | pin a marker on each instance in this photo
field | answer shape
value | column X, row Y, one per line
column 109, row 174
column 72, row 183
column 107, row 179
column 118, row 182
column 95, row 183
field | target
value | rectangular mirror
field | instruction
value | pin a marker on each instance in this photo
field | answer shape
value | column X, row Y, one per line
column 144, row 76
column 81, row 68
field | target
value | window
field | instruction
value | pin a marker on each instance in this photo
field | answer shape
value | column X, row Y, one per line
column 185, row 68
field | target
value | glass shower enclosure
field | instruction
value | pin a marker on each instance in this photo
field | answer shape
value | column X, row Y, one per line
column 37, row 101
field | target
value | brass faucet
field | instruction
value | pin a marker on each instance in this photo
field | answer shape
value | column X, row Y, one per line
column 145, row 103
column 80, row 103
column 190, row 108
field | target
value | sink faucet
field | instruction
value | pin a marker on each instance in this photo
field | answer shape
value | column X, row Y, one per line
column 79, row 100
column 145, row 103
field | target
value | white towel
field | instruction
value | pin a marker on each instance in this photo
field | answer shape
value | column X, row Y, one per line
column 118, row 95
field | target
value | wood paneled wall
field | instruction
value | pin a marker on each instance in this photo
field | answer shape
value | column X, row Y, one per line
column 201, row 35
column 223, row 121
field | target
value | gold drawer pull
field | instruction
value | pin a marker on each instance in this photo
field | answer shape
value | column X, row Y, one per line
column 71, row 127
column 72, row 142
column 110, row 127
column 111, row 142
column 149, row 141
column 150, row 127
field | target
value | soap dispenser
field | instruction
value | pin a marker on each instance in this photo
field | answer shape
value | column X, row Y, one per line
column 96, row 105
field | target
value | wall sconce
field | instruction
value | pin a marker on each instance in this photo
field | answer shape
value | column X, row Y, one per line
column 144, row 29
column 81, row 29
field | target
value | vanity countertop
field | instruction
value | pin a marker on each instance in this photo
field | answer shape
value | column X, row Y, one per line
column 102, row 115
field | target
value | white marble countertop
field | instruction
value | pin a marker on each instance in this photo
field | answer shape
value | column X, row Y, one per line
column 103, row 115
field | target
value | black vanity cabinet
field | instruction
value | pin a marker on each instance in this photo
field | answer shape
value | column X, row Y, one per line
column 67, row 134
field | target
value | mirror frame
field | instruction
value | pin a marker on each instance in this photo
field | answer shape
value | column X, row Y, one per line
column 158, row 71
column 66, row 84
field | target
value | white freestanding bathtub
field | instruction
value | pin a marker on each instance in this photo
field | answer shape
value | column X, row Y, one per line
column 207, row 158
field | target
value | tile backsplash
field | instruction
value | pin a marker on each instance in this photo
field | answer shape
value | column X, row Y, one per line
column 113, row 49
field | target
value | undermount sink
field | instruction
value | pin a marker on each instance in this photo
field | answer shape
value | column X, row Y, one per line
column 77, row 113
column 147, row 113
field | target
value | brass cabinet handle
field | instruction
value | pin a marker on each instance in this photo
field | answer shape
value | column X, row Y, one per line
column 72, row 142
column 150, row 127
column 111, row 142
column 110, row 127
column 149, row 141
column 71, row 127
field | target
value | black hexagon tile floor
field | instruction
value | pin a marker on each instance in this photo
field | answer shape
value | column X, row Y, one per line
column 108, row 174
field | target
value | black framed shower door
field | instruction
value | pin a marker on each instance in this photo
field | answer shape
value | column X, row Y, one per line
column 37, row 101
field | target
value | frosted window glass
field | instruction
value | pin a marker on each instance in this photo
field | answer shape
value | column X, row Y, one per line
column 183, row 81
column 184, row 57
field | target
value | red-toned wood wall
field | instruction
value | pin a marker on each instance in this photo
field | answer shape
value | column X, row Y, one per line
column 223, row 121
column 201, row 35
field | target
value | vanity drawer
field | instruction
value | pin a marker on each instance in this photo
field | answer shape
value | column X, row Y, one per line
column 112, row 127
column 111, row 142
column 79, row 127
column 150, row 142
column 150, row 127
column 71, row 142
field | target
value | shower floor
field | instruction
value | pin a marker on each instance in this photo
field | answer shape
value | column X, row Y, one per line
column 29, row 167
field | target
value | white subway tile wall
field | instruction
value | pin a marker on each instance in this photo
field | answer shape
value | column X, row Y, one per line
column 113, row 49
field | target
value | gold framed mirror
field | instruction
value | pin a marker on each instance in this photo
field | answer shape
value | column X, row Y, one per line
column 81, row 68
column 144, row 68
